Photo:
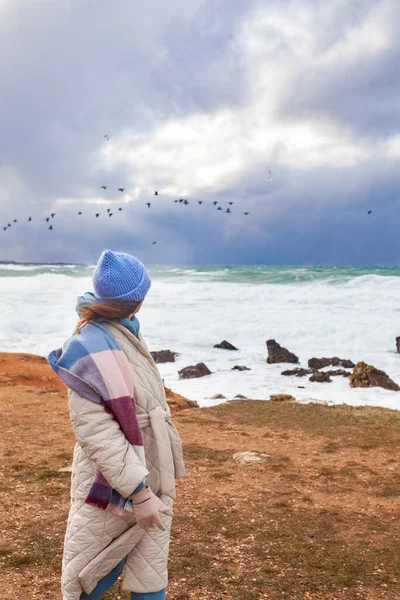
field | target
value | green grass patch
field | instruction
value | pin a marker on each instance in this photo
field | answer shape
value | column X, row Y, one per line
column 51, row 474
column 364, row 427
column 208, row 455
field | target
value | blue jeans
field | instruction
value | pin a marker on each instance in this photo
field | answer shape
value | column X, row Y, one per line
column 106, row 582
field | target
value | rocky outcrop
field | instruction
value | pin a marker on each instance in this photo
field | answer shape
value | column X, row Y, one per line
column 250, row 458
column 225, row 346
column 277, row 354
column 240, row 368
column 320, row 377
column 176, row 402
column 298, row 372
column 365, row 376
column 337, row 373
column 218, row 397
column 241, row 397
column 321, row 363
column 398, row 344
column 194, row 371
column 164, row 356
column 282, row 398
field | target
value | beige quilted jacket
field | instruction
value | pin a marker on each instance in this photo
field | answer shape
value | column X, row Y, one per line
column 97, row 540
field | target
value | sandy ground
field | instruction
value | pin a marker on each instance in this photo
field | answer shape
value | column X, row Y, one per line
column 319, row 519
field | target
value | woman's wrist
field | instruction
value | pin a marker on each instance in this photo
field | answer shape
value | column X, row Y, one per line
column 141, row 486
column 140, row 495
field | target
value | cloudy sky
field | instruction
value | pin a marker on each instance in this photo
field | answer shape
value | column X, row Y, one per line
column 201, row 99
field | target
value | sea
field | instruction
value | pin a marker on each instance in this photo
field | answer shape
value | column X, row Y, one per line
column 352, row 313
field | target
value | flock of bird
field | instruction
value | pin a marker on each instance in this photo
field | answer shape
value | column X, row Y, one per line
column 109, row 213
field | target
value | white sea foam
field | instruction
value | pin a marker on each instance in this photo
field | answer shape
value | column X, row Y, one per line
column 339, row 312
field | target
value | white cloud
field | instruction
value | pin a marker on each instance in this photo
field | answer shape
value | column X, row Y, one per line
column 392, row 147
column 209, row 152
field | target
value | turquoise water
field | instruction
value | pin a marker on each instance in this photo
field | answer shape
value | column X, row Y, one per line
column 229, row 273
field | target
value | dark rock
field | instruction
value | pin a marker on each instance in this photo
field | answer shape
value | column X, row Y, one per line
column 320, row 377
column 225, row 346
column 368, row 376
column 164, row 356
column 193, row 371
column 277, row 354
column 338, row 372
column 240, row 368
column 320, row 363
column 240, row 396
column 298, row 372
column 398, row 344
column 218, row 397
column 347, row 364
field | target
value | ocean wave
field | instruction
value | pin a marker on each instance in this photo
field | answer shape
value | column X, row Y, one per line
column 255, row 275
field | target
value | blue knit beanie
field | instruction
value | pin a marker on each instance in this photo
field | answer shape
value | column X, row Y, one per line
column 120, row 277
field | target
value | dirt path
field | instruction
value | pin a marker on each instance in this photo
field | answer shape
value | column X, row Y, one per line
column 319, row 520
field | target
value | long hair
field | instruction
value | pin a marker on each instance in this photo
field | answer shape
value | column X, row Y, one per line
column 110, row 311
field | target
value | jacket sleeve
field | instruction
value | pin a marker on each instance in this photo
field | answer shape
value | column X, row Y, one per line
column 104, row 442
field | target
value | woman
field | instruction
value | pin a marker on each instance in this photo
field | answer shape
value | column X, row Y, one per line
column 128, row 451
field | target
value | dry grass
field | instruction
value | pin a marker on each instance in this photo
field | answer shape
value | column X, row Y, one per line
column 319, row 520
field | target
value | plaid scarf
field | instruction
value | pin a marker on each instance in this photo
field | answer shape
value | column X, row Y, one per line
column 92, row 364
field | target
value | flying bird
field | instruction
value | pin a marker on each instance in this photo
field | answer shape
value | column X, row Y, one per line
column 149, row 204
column 369, row 212
column 15, row 221
column 103, row 187
column 106, row 137
column 176, row 200
column 246, row 213
column 110, row 214
column 156, row 193
column 219, row 208
column 215, row 203
column 180, row 200
column 4, row 228
column 120, row 208
column 97, row 215
column 79, row 213
column 200, row 201
column 230, row 203
column 108, row 210
column 53, row 215
column 121, row 189
column 51, row 227
column 9, row 225
column 30, row 219
column 228, row 210
column 185, row 202
column 269, row 179
column 154, row 243
column 47, row 219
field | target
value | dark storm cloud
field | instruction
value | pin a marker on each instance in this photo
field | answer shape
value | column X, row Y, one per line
column 71, row 72
column 362, row 89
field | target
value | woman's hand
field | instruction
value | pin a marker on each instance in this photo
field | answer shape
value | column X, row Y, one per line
column 147, row 508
